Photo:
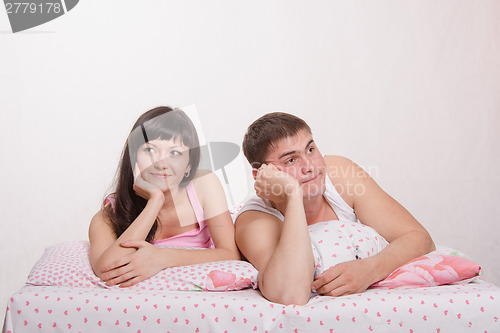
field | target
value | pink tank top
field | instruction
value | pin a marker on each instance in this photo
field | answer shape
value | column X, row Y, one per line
column 199, row 237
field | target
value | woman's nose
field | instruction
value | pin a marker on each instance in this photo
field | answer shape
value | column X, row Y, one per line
column 161, row 163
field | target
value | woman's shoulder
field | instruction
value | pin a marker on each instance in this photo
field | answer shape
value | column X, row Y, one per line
column 204, row 178
column 208, row 188
column 100, row 221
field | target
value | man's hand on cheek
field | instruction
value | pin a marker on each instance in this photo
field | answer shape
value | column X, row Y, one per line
column 273, row 184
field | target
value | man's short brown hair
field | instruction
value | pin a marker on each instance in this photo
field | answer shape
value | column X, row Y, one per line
column 268, row 130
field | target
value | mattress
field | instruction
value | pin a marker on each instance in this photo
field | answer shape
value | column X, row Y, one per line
column 462, row 307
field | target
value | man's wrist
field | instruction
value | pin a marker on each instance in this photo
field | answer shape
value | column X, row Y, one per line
column 378, row 268
column 293, row 192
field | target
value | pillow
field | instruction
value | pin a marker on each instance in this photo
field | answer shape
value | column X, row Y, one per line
column 443, row 266
column 234, row 210
column 67, row 264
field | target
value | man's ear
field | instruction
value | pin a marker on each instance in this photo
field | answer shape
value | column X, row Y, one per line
column 254, row 173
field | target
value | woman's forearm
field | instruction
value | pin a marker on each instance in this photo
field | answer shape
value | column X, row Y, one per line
column 288, row 275
column 138, row 230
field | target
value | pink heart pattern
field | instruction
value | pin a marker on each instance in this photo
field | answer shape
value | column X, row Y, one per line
column 67, row 264
column 461, row 307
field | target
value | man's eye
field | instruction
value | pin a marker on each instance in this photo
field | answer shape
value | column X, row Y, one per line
column 311, row 149
column 290, row 161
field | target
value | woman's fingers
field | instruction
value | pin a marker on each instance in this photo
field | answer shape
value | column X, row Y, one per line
column 112, row 274
column 120, row 279
column 116, row 264
column 132, row 281
column 134, row 243
column 127, row 279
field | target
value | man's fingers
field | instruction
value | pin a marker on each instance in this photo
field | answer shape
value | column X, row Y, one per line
column 326, row 277
column 330, row 284
column 273, row 167
column 337, row 292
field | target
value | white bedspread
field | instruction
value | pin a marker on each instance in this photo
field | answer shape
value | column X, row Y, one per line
column 473, row 307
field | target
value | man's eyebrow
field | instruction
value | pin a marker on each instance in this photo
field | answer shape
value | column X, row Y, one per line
column 287, row 153
column 294, row 151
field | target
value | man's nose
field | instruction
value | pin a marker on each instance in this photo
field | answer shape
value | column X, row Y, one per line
column 306, row 166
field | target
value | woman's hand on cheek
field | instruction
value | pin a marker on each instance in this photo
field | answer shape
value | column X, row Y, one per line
column 144, row 263
column 145, row 189
column 273, row 184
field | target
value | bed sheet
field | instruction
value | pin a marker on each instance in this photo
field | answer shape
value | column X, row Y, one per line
column 472, row 307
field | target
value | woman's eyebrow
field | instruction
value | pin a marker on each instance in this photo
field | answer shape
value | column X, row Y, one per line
column 179, row 147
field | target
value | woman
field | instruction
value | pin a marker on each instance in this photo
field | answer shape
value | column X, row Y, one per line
column 161, row 202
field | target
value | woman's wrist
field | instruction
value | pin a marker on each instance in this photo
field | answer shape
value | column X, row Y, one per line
column 157, row 199
column 168, row 260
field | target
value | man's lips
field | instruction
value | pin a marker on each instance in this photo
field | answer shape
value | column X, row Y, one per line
column 311, row 179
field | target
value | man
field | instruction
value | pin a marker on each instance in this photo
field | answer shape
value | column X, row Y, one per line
column 296, row 187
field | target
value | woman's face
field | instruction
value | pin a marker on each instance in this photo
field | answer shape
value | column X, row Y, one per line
column 163, row 163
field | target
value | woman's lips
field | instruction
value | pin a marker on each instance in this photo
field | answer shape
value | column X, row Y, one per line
column 160, row 175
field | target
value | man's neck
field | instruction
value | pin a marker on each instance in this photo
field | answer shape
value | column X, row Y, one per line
column 314, row 209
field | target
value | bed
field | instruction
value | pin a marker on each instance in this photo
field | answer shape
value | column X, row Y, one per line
column 470, row 307
column 62, row 294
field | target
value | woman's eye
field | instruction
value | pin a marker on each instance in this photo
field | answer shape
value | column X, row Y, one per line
column 175, row 153
column 149, row 150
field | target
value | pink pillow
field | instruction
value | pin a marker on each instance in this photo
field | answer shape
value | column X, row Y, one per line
column 67, row 264
column 433, row 269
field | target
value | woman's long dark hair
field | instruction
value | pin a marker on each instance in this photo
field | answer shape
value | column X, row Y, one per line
column 164, row 123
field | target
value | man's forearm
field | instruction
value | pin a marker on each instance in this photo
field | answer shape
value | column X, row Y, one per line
column 288, row 275
column 400, row 251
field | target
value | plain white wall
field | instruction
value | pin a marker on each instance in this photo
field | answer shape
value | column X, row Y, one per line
column 408, row 89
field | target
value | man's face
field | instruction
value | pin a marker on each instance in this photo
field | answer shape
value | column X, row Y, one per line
column 299, row 157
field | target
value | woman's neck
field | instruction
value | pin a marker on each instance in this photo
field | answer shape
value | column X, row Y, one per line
column 174, row 199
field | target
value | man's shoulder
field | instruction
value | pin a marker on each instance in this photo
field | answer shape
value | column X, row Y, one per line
column 337, row 160
column 345, row 174
column 340, row 168
column 256, row 208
